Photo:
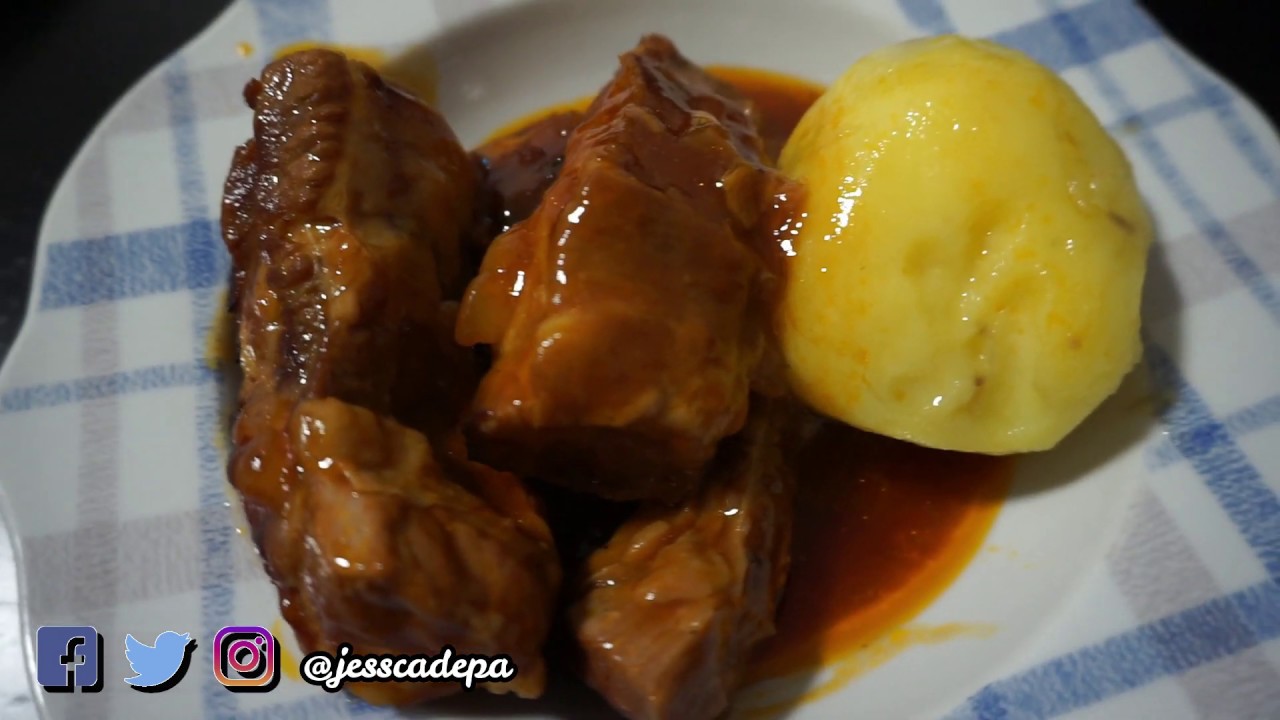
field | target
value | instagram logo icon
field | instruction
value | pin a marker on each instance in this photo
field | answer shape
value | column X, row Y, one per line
column 246, row 658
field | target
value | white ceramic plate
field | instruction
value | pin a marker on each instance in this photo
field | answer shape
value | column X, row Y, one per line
column 113, row 479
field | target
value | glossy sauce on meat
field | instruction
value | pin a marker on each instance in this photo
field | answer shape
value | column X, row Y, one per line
column 415, row 72
column 881, row 526
column 344, row 216
column 622, row 313
column 519, row 166
column 925, row 512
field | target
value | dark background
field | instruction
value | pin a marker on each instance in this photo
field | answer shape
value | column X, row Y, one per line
column 63, row 63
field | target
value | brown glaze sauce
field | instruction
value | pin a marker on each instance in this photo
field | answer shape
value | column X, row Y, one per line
column 780, row 100
column 882, row 526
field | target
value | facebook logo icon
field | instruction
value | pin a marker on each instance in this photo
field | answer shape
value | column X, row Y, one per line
column 69, row 657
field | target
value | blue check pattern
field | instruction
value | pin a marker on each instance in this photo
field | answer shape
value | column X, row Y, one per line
column 185, row 263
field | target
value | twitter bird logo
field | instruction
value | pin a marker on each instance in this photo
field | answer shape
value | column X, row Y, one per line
column 160, row 666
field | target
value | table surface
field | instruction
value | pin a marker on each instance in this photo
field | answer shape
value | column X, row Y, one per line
column 67, row 61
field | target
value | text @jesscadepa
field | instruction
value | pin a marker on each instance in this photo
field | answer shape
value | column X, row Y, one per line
column 331, row 671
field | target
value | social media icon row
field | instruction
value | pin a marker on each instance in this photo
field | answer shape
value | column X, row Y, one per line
column 69, row 657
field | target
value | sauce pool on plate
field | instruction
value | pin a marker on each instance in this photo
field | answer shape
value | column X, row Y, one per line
column 882, row 528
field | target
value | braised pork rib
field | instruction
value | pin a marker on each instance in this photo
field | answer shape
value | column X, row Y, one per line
column 620, row 311
column 520, row 166
column 672, row 606
column 344, row 216
column 632, row 361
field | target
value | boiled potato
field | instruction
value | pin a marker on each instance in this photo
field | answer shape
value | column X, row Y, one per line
column 967, row 267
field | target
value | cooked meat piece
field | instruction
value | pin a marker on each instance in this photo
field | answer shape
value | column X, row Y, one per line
column 344, row 217
column 673, row 605
column 239, row 208
column 621, row 311
column 519, row 167
column 374, row 541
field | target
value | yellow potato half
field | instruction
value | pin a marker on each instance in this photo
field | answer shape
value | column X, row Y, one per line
column 967, row 269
